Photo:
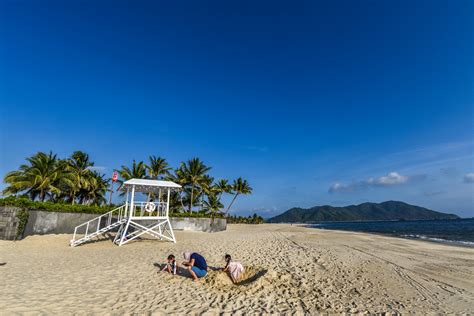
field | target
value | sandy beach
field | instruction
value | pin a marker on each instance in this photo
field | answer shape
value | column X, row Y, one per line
column 291, row 270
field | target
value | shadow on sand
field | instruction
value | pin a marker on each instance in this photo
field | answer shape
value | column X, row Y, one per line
column 252, row 278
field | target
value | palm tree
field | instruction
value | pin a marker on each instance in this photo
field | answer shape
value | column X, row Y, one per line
column 96, row 189
column 78, row 173
column 176, row 203
column 222, row 186
column 138, row 171
column 205, row 189
column 239, row 186
column 40, row 178
column 158, row 168
column 212, row 205
column 192, row 175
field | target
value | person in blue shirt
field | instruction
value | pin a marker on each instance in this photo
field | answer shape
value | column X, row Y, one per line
column 196, row 264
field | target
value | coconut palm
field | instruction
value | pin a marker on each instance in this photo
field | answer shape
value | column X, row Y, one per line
column 96, row 189
column 192, row 175
column 158, row 168
column 138, row 171
column 212, row 205
column 40, row 178
column 78, row 173
column 222, row 186
column 205, row 189
column 239, row 187
column 175, row 202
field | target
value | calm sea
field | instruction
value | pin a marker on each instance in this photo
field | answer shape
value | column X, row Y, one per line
column 459, row 231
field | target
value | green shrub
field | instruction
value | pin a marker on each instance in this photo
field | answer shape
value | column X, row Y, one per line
column 22, row 216
column 27, row 204
column 195, row 215
column 48, row 206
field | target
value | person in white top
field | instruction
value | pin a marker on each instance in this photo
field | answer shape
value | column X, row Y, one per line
column 233, row 268
column 171, row 265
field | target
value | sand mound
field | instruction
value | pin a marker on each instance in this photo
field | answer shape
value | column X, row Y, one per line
column 221, row 280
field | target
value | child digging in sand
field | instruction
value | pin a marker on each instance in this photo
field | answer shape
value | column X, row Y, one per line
column 196, row 264
column 170, row 265
column 233, row 268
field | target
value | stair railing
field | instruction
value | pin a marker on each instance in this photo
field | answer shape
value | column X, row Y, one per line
column 119, row 212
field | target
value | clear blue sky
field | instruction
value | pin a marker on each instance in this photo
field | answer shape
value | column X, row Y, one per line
column 331, row 102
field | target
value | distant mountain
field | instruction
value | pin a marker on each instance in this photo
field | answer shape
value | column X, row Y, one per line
column 390, row 210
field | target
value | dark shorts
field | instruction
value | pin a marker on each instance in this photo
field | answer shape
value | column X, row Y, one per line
column 199, row 272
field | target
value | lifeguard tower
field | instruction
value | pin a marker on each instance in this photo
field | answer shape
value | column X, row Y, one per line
column 134, row 218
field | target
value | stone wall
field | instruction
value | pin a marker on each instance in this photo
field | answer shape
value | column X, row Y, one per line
column 9, row 222
column 41, row 222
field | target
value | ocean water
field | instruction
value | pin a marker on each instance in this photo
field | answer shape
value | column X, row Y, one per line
column 459, row 231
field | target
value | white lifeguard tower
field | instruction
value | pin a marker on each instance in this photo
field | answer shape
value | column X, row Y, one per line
column 134, row 218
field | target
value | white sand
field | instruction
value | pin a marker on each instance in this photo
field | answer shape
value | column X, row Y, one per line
column 294, row 270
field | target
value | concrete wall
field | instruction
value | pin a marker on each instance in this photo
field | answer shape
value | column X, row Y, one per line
column 199, row 224
column 41, row 222
column 9, row 222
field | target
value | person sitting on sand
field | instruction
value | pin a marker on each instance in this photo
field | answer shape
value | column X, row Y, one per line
column 233, row 268
column 171, row 265
column 196, row 264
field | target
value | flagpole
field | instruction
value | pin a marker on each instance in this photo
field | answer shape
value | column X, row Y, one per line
column 114, row 178
column 111, row 190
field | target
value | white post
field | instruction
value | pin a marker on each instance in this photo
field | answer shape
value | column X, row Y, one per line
column 131, row 201
column 126, row 201
column 168, row 203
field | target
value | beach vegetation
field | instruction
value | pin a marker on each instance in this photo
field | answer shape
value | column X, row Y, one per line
column 74, row 184
column 22, row 217
column 239, row 187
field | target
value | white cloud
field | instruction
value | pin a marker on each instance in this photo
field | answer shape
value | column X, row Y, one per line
column 390, row 179
column 337, row 187
column 469, row 177
column 393, row 178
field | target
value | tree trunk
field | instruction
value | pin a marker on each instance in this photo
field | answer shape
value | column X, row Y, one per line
column 213, row 215
column 42, row 195
column 191, row 201
column 232, row 202
column 202, row 202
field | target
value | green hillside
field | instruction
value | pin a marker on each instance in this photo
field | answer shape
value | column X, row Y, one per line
column 390, row 210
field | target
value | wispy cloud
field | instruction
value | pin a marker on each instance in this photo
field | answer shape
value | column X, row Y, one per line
column 423, row 158
column 265, row 212
column 433, row 193
column 391, row 179
column 469, row 177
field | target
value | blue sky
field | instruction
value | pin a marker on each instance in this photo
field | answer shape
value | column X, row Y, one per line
column 334, row 102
